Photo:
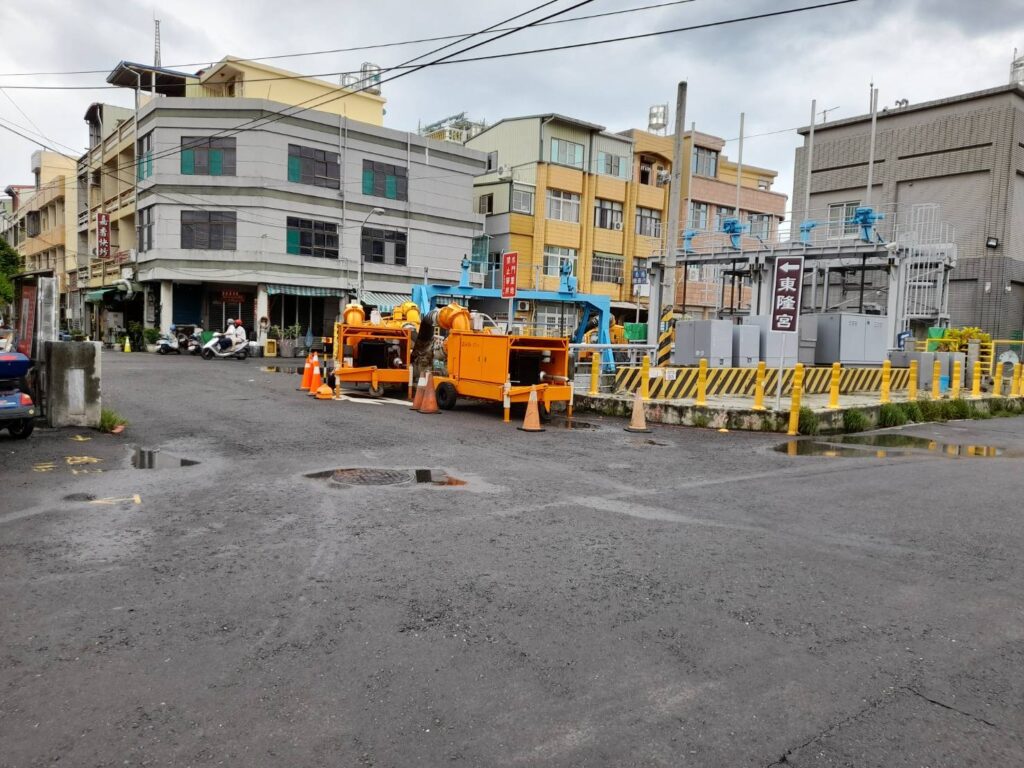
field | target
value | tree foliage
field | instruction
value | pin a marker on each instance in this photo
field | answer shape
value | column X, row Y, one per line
column 10, row 265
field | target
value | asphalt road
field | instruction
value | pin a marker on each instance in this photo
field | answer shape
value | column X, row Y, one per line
column 589, row 597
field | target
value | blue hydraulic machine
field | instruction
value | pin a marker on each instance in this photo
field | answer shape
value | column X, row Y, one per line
column 426, row 297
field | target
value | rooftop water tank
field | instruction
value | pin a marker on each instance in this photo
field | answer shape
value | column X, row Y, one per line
column 657, row 118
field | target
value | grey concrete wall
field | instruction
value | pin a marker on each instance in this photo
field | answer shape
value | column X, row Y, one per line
column 73, row 375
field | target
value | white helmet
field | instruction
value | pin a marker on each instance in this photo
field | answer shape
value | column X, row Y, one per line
column 230, row 321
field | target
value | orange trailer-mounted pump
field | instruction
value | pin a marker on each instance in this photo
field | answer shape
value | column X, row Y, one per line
column 379, row 355
column 489, row 366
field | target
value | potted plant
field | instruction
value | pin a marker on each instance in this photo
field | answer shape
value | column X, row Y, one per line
column 289, row 339
column 152, row 336
column 274, row 334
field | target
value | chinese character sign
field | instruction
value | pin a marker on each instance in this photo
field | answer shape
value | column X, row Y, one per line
column 789, row 278
column 103, row 235
column 509, row 271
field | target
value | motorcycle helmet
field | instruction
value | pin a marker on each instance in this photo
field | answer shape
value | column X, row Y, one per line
column 173, row 327
column 230, row 321
column 238, row 322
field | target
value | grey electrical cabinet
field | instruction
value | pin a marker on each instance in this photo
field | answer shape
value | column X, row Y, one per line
column 808, row 339
column 746, row 346
column 850, row 339
column 925, row 365
column 707, row 339
column 776, row 349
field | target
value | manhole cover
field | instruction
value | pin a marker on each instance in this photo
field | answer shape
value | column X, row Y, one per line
column 368, row 476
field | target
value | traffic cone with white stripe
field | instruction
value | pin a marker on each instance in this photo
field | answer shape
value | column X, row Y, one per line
column 417, row 400
column 307, row 374
column 316, row 380
column 531, row 422
column 429, row 402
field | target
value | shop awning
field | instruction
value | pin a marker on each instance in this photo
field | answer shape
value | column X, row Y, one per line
column 97, row 296
column 302, row 290
column 385, row 301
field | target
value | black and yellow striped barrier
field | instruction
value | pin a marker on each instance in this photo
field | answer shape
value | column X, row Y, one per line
column 666, row 336
column 671, row 383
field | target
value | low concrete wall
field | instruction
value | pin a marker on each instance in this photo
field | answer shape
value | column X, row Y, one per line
column 73, row 372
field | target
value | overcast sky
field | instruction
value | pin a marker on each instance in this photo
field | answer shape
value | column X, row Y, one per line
column 770, row 68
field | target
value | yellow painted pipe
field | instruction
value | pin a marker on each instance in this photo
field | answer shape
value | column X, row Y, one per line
column 912, row 381
column 702, row 383
column 595, row 373
column 936, row 380
column 794, row 406
column 833, row 386
column 759, row 387
column 645, row 378
column 883, row 395
column 954, row 380
column 1015, row 382
column 997, row 380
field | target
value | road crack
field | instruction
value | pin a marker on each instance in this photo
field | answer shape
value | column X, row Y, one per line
column 938, row 703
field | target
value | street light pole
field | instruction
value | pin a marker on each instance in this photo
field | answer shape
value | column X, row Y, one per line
column 359, row 279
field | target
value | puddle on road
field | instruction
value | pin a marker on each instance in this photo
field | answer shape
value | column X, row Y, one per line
column 152, row 459
column 563, row 423
column 280, row 369
column 860, row 446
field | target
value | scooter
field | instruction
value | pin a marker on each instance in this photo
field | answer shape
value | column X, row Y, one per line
column 213, row 349
column 194, row 343
column 17, row 411
column 168, row 344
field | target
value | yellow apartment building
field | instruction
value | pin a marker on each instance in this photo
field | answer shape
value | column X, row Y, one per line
column 564, row 191
column 41, row 224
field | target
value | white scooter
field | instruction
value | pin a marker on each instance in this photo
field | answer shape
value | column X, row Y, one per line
column 213, row 349
column 168, row 343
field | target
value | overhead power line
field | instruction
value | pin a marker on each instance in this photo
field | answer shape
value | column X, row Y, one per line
column 303, row 54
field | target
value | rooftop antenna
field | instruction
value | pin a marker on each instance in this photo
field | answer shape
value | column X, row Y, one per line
column 156, row 42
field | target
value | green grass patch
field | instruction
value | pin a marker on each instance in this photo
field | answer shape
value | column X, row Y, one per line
column 854, row 420
column 701, row 420
column 957, row 409
column 891, row 415
column 932, row 410
column 809, row 423
column 912, row 410
column 109, row 419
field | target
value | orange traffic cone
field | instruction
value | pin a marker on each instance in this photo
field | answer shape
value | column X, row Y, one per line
column 531, row 422
column 417, row 401
column 324, row 392
column 638, row 423
column 317, row 380
column 307, row 374
column 429, row 402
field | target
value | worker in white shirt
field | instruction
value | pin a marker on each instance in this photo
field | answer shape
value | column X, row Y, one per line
column 241, row 338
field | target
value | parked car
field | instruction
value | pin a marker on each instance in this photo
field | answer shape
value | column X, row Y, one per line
column 17, row 411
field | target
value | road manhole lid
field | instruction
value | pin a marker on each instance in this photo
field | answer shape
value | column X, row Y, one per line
column 385, row 476
column 370, row 476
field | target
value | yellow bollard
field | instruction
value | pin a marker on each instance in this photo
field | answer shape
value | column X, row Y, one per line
column 1015, row 381
column 759, row 387
column 997, row 380
column 954, row 380
column 912, row 381
column 833, row 386
column 645, row 378
column 506, row 399
column 976, row 381
column 936, row 376
column 883, row 395
column 595, row 374
column 794, row 407
column 702, row 384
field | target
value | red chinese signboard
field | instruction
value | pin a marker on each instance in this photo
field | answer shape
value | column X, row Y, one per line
column 27, row 319
column 509, row 272
column 789, row 279
column 232, row 297
column 103, row 235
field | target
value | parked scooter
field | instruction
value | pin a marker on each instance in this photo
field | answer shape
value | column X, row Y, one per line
column 194, row 343
column 168, row 343
column 213, row 349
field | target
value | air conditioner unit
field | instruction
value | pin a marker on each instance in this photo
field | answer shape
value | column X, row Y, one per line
column 620, row 280
column 522, row 306
column 504, row 171
column 617, row 226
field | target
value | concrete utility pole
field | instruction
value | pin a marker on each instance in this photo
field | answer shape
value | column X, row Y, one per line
column 672, row 234
column 871, row 146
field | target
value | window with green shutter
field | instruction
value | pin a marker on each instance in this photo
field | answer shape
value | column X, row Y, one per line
column 188, row 162
column 391, row 187
column 293, row 241
column 216, row 162
column 294, row 168
column 367, row 181
column 385, row 180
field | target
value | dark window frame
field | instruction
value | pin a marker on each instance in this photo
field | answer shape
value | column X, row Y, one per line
column 385, row 180
column 202, row 155
column 373, row 246
column 209, row 230
column 314, row 167
column 311, row 237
